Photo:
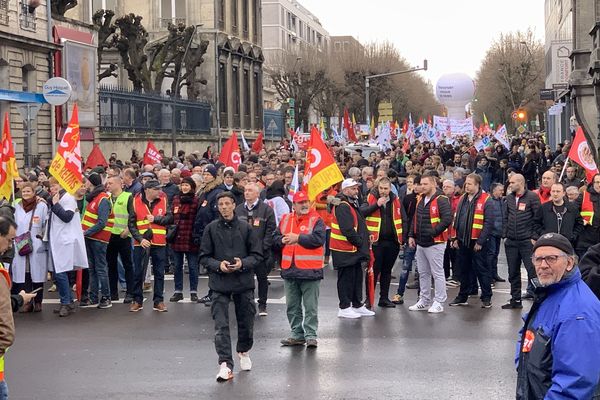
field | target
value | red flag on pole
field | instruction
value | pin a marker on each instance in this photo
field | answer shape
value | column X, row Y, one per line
column 66, row 165
column 349, row 128
column 95, row 159
column 581, row 154
column 257, row 146
column 152, row 156
column 230, row 155
column 8, row 167
column 320, row 171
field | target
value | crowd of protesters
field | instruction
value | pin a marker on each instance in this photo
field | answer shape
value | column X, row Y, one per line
column 444, row 207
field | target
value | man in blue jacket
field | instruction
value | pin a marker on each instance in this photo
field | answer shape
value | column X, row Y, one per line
column 558, row 354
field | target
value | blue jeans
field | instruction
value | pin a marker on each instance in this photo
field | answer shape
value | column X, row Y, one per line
column 409, row 256
column 3, row 391
column 64, row 287
column 98, row 268
column 159, row 259
column 192, row 259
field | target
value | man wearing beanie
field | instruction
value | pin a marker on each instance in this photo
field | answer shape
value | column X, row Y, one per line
column 207, row 208
column 559, row 344
column 97, row 230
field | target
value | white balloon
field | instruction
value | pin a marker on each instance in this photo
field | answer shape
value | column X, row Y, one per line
column 455, row 90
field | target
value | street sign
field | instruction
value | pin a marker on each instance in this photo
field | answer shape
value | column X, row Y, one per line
column 57, row 91
column 547, row 94
column 272, row 125
column 29, row 111
column 514, row 115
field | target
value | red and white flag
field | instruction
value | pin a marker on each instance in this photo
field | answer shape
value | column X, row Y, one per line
column 151, row 156
column 230, row 155
column 581, row 154
column 66, row 165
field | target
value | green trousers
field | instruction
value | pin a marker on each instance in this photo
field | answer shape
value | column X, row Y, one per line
column 301, row 293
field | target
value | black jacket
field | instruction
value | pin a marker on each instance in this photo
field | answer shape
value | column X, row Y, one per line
column 571, row 222
column 262, row 221
column 207, row 208
column 465, row 213
column 590, row 234
column 170, row 189
column 358, row 238
column 521, row 222
column 589, row 265
column 310, row 240
column 424, row 232
column 225, row 240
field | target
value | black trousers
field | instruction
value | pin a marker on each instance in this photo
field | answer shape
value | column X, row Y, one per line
column 518, row 251
column 28, row 286
column 349, row 286
column 85, row 281
column 262, row 272
column 450, row 262
column 245, row 310
column 385, row 257
column 118, row 246
column 474, row 263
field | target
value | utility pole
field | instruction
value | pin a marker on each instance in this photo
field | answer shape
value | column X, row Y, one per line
column 368, row 80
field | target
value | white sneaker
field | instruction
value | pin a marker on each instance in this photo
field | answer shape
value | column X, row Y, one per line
column 420, row 306
column 225, row 373
column 348, row 313
column 245, row 361
column 436, row 308
column 363, row 311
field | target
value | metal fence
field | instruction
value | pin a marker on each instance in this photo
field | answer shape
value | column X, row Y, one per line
column 124, row 110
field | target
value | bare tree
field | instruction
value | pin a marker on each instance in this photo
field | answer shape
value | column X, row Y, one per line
column 510, row 77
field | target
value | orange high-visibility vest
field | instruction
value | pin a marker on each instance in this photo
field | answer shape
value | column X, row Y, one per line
column 337, row 241
column 374, row 220
column 302, row 257
column 159, row 232
column 587, row 209
column 321, row 207
column 90, row 218
column 478, row 215
column 434, row 215
column 6, row 275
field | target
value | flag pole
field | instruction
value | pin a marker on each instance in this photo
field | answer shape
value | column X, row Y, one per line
column 564, row 168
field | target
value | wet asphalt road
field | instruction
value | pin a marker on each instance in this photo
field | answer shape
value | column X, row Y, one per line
column 464, row 353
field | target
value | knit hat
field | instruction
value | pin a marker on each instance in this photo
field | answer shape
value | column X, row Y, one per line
column 211, row 169
column 95, row 179
column 186, row 173
column 189, row 181
column 554, row 240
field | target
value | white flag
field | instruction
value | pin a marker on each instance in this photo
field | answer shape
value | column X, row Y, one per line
column 244, row 143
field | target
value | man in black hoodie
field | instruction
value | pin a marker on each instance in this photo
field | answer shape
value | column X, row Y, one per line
column 230, row 250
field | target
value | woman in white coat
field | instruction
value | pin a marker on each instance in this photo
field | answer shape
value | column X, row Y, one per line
column 29, row 271
column 67, row 247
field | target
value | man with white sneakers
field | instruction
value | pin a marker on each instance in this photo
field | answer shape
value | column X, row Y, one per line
column 429, row 233
column 349, row 244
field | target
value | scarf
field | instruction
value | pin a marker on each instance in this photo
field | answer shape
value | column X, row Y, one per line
column 29, row 204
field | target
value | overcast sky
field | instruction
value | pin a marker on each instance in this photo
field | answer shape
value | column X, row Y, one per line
column 453, row 35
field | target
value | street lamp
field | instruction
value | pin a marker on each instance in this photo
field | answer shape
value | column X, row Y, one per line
column 369, row 77
column 174, row 95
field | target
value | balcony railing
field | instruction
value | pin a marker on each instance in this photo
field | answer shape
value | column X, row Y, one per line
column 123, row 110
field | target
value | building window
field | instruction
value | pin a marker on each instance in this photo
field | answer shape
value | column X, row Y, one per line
column 96, row 5
column 257, row 99
column 3, row 12
column 172, row 11
column 26, row 16
column 235, row 94
column 245, row 16
column 4, row 74
column 223, row 88
column 234, row 15
column 221, row 14
column 246, row 83
column 29, row 79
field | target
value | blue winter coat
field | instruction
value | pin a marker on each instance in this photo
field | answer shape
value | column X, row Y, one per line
column 562, row 346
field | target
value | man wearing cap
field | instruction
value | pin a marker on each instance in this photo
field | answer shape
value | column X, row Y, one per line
column 349, row 244
column 207, row 209
column 262, row 220
column 558, row 351
column 301, row 234
column 96, row 231
column 148, row 226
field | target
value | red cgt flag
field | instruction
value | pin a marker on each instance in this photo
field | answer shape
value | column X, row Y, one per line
column 66, row 165
column 320, row 171
column 230, row 155
column 257, row 146
column 349, row 127
column 581, row 154
column 151, row 156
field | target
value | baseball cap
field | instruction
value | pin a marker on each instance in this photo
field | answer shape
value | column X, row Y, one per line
column 300, row 197
column 349, row 182
column 153, row 184
column 148, row 175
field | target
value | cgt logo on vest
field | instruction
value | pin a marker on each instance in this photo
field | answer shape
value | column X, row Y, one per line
column 433, row 208
column 528, row 341
column 302, row 229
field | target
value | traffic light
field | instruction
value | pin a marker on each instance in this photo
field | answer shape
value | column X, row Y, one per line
column 491, row 125
column 521, row 114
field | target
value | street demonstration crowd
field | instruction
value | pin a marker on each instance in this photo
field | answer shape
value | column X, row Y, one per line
column 445, row 207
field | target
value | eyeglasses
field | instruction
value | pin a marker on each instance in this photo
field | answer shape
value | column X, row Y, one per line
column 550, row 260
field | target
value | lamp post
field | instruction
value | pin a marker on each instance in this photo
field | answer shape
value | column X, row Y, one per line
column 369, row 77
column 174, row 95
